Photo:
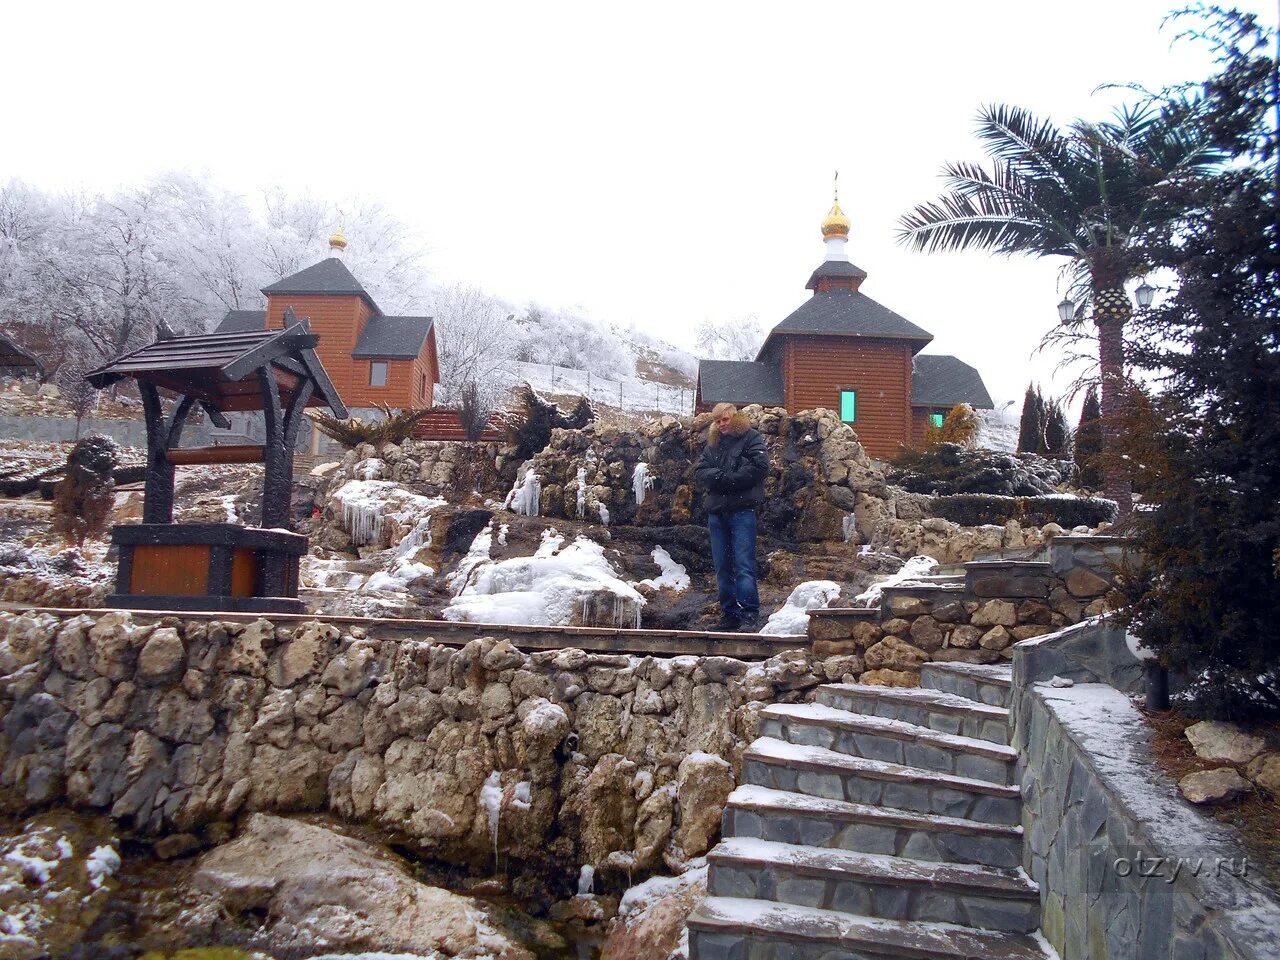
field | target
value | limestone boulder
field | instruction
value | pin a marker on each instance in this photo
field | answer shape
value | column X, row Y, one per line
column 995, row 613
column 652, row 915
column 163, row 656
column 322, row 891
column 1223, row 742
column 704, row 782
column 892, row 653
column 890, row 678
column 1213, row 786
column 1264, row 770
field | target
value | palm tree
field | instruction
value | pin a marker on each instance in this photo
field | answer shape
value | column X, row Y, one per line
column 1087, row 193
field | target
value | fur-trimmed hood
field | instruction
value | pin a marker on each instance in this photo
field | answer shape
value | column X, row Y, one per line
column 737, row 427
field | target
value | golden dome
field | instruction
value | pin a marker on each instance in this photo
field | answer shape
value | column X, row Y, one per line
column 836, row 224
column 338, row 241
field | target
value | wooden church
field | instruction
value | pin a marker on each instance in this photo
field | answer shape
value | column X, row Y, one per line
column 846, row 352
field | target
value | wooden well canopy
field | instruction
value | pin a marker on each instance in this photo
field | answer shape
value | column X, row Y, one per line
column 275, row 371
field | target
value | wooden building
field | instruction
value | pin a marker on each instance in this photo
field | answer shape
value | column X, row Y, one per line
column 17, row 363
column 371, row 357
column 846, row 352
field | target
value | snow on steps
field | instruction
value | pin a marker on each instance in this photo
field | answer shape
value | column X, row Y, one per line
column 797, row 818
column 816, row 771
column 894, row 741
column 944, row 712
column 721, row 923
column 876, row 858
column 888, row 887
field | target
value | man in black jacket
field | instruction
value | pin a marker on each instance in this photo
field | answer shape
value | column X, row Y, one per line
column 731, row 471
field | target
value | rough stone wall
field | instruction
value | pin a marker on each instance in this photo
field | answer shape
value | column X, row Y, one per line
column 975, row 623
column 544, row 761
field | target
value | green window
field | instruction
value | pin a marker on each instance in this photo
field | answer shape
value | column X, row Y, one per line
column 937, row 418
column 849, row 406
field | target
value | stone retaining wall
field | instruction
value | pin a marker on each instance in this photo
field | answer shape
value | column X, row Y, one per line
column 1126, row 868
column 544, row 761
column 977, row 620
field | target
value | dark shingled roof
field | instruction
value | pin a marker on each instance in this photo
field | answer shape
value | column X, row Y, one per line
column 395, row 337
column 835, row 268
column 740, row 382
column 938, row 381
column 844, row 312
column 242, row 321
column 327, row 276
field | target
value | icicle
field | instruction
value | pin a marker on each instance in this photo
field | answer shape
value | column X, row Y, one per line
column 604, row 514
column 491, row 800
column 586, row 880
column 582, row 491
column 526, row 495
column 850, row 527
column 641, row 482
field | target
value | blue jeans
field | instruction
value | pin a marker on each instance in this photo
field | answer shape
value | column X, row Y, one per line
column 733, row 549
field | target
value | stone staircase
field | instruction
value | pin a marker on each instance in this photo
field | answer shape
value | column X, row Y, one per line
column 875, row 823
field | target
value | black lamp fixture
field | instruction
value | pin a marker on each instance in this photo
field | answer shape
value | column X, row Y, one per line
column 1066, row 310
column 1145, row 294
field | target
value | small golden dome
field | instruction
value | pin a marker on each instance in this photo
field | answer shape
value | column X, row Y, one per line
column 338, row 241
column 836, row 224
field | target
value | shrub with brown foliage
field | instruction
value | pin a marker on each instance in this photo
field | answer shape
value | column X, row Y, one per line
column 83, row 499
column 961, row 426
column 395, row 427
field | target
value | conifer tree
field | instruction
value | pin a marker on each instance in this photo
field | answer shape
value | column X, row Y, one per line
column 1057, row 435
column 1205, row 594
column 1031, row 427
column 1089, row 442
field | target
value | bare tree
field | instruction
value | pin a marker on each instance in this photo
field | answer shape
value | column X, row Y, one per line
column 734, row 339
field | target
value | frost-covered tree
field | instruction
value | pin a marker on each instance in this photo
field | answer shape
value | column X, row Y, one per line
column 476, row 335
column 567, row 338
column 734, row 339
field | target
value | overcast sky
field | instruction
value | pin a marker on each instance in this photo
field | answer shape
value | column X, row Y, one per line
column 656, row 164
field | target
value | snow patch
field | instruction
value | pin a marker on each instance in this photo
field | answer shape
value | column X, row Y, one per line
column 793, row 617
column 911, row 570
column 641, row 482
column 555, row 586
column 526, row 496
column 102, row 863
column 671, row 576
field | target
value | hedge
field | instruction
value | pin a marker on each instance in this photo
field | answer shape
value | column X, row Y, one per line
column 975, row 509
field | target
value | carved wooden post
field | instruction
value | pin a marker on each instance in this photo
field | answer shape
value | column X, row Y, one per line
column 162, row 435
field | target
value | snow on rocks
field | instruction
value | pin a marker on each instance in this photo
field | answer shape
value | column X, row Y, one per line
column 525, row 497
column 558, row 585
column 793, row 617
column 673, row 576
column 914, row 568
column 368, row 508
column 651, row 916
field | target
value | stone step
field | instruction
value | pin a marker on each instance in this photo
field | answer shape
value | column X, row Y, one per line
column 872, row 885
column 983, row 683
column 934, row 709
column 797, row 818
column 727, row 928
column 893, row 741
column 819, row 772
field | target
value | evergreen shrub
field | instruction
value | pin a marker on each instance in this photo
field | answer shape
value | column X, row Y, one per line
column 976, row 509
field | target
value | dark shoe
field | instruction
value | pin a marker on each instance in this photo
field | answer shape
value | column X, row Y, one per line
column 750, row 623
column 727, row 624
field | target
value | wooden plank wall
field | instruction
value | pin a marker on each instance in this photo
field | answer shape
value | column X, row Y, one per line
column 817, row 368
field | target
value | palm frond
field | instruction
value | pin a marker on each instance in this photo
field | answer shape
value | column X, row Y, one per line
column 978, row 222
column 1036, row 148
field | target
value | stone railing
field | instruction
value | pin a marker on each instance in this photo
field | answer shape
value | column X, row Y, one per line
column 1126, row 868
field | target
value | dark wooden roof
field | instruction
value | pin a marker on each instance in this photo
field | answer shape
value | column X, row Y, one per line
column 846, row 313
column 740, row 382
column 392, row 337
column 242, row 321
column 835, row 268
column 941, row 381
column 218, row 368
column 329, row 276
